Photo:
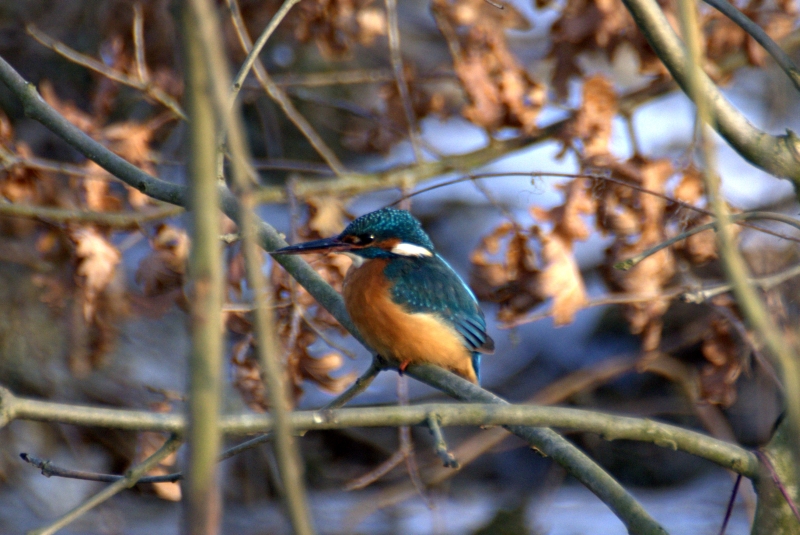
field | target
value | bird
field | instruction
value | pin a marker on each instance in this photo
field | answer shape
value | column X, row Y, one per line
column 406, row 301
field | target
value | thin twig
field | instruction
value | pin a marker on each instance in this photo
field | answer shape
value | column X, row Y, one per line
column 337, row 78
column 396, row 59
column 271, row 88
column 9, row 160
column 118, row 220
column 375, row 474
column 360, row 384
column 603, row 300
column 731, row 501
column 765, row 283
column 148, row 88
column 783, row 59
column 138, row 43
column 53, row 470
column 439, row 444
column 364, row 113
column 130, row 479
column 407, row 445
column 631, row 262
column 764, row 458
column 325, row 338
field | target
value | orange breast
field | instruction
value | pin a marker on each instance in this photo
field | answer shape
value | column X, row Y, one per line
column 397, row 334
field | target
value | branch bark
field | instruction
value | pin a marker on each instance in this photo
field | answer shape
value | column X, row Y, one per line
column 610, row 427
column 778, row 155
column 203, row 502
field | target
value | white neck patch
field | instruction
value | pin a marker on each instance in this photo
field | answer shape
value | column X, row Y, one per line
column 409, row 249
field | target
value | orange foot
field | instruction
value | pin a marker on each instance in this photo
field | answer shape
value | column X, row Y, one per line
column 402, row 368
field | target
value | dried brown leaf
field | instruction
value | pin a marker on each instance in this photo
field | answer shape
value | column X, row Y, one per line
column 162, row 272
column 561, row 278
column 97, row 261
column 724, row 365
column 594, row 118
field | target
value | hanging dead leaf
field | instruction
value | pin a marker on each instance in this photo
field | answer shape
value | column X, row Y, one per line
column 594, row 119
column 327, row 216
column 97, row 261
column 161, row 274
column 724, row 364
column 147, row 443
column 561, row 278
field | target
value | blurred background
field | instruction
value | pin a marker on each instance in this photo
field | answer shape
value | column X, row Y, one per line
column 95, row 310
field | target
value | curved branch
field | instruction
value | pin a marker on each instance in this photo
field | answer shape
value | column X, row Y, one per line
column 778, row 155
column 610, row 427
column 783, row 59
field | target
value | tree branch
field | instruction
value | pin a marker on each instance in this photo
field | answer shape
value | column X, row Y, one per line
column 143, row 85
column 783, row 59
column 118, row 220
column 130, row 479
column 610, row 427
column 778, row 155
column 203, row 500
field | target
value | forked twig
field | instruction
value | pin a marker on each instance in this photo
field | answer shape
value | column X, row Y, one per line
column 764, row 458
column 129, row 480
column 271, row 88
column 148, row 88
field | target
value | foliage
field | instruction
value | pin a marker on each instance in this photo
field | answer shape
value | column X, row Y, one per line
column 331, row 58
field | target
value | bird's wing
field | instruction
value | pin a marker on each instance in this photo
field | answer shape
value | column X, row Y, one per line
column 429, row 285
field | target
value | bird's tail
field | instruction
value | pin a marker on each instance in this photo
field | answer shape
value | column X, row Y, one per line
column 476, row 365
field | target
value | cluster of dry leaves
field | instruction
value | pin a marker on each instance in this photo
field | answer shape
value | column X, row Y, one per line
column 638, row 203
column 301, row 322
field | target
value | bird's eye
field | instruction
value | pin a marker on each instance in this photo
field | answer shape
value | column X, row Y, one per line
column 360, row 239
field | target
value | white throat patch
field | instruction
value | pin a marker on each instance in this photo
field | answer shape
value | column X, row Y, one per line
column 409, row 249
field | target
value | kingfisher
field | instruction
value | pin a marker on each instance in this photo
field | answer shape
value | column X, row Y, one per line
column 406, row 301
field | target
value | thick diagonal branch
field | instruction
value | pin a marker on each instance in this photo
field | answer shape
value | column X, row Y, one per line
column 778, row 155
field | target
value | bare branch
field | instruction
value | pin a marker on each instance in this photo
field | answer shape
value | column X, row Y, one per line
column 778, row 155
column 610, row 427
column 118, row 220
column 396, row 58
column 271, row 88
column 756, row 32
column 145, row 86
column 130, row 479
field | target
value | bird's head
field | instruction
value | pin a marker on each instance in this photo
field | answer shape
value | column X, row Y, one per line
column 384, row 233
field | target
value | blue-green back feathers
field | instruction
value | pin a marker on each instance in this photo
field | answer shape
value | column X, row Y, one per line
column 429, row 285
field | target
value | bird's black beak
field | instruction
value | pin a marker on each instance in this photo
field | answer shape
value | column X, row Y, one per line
column 326, row 245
